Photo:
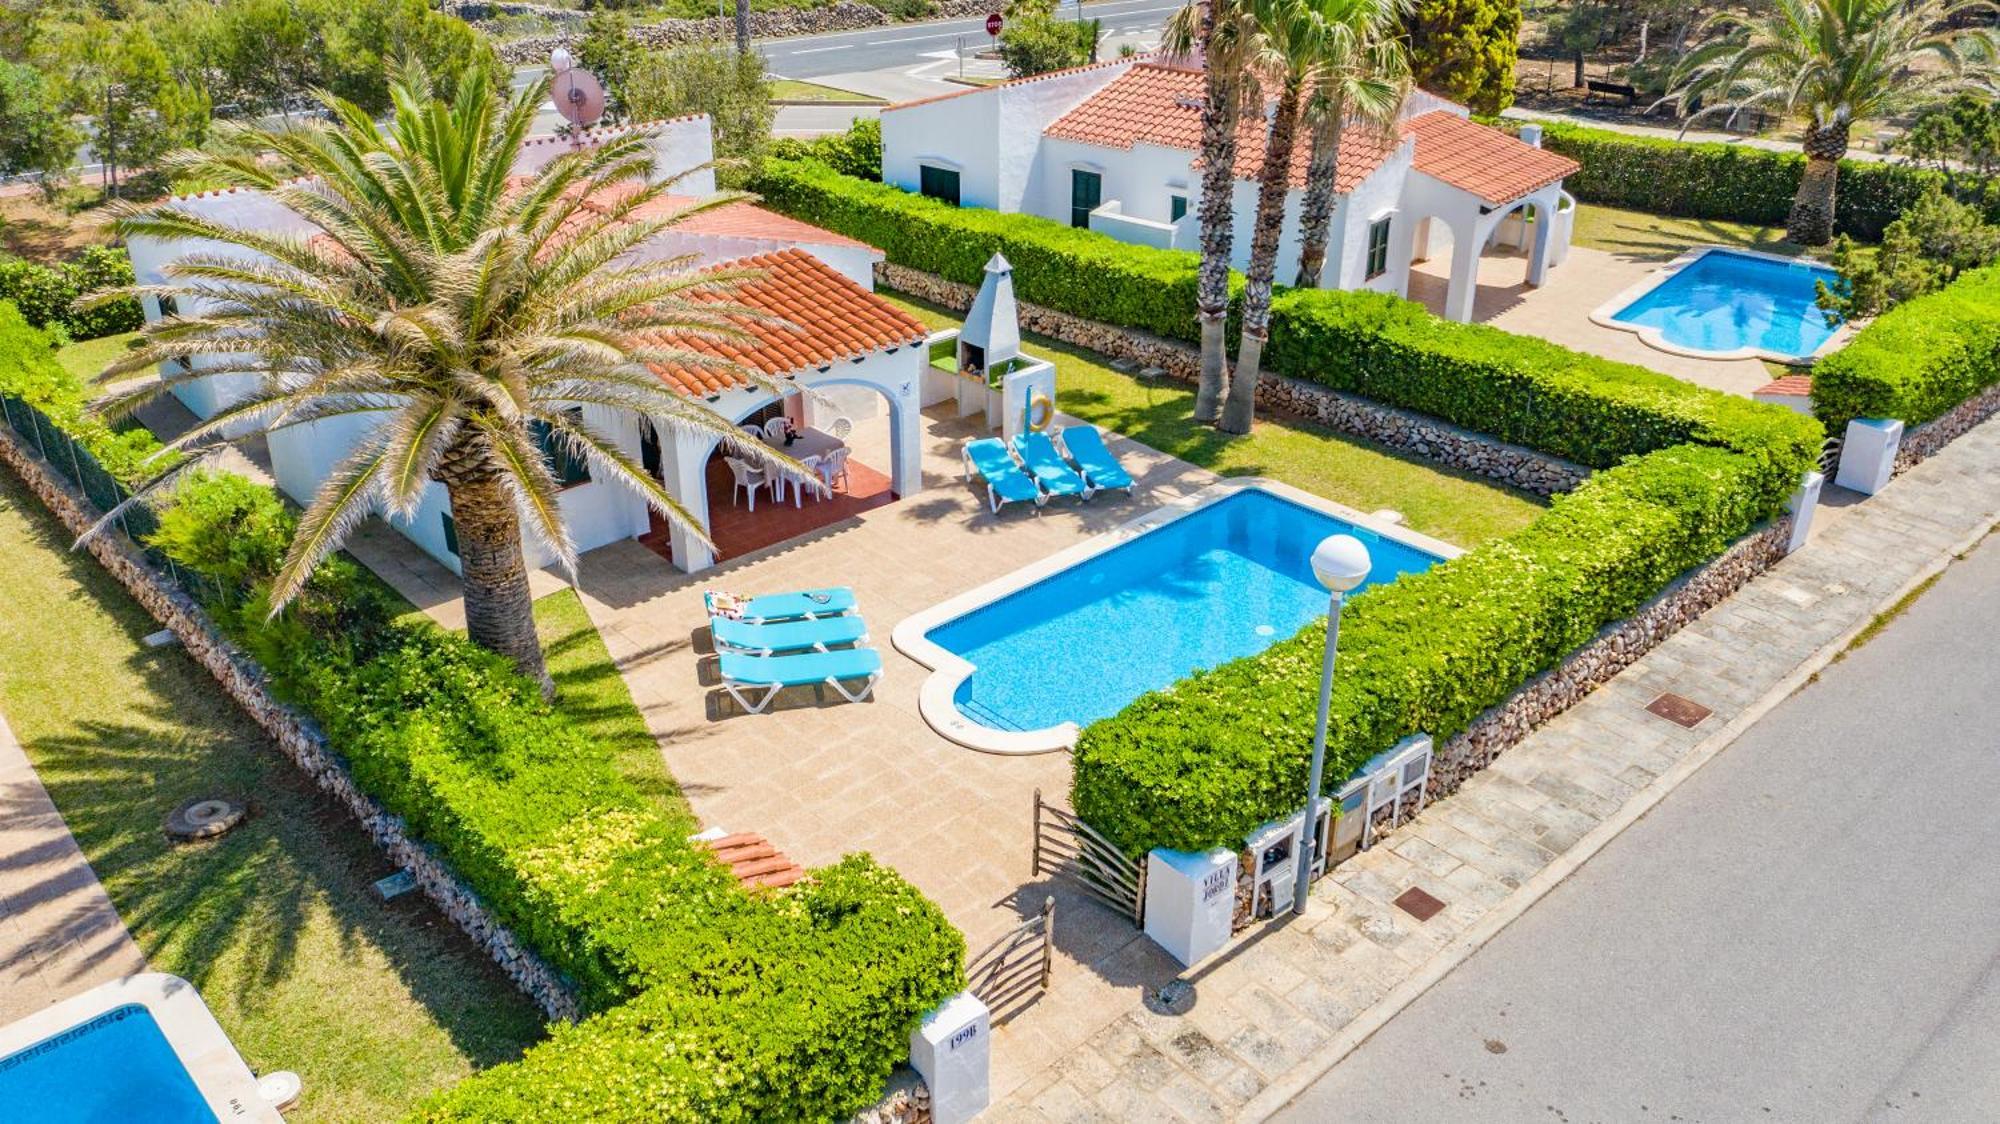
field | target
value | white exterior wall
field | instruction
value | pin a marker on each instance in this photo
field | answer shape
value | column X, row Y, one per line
column 856, row 263
column 1347, row 247
column 680, row 146
column 992, row 138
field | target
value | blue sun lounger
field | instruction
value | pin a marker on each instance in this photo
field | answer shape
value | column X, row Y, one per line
column 1005, row 482
column 1085, row 446
column 776, row 637
column 1052, row 472
column 808, row 604
column 771, row 674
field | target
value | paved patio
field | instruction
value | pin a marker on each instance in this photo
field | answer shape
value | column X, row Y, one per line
column 1560, row 311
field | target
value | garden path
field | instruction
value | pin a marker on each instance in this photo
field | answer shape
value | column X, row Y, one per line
column 59, row 934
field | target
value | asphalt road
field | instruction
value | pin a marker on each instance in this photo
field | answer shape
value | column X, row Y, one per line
column 911, row 44
column 1807, row 930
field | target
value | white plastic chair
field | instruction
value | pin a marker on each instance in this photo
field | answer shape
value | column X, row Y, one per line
column 774, row 431
column 841, row 427
column 833, row 467
column 747, row 480
column 815, row 465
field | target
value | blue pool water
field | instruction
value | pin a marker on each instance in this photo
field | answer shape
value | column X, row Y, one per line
column 1725, row 301
column 117, row 1066
column 1227, row 581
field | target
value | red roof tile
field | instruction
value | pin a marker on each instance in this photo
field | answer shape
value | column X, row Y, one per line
column 823, row 319
column 754, row 862
column 1484, row 161
column 747, row 220
column 1788, row 385
column 1161, row 105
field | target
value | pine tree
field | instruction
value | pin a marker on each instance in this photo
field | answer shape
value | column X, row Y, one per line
column 1464, row 50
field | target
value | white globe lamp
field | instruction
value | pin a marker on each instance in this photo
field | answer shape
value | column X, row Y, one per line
column 1341, row 562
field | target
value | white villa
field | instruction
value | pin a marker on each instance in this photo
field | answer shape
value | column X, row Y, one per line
column 853, row 361
column 1113, row 147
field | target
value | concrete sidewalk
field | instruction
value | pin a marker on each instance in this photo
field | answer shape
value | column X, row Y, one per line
column 59, row 934
column 1282, row 1006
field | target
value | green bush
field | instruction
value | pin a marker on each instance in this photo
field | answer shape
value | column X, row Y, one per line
column 29, row 371
column 1917, row 361
column 1201, row 763
column 856, row 152
column 1055, row 265
column 1734, row 183
column 46, row 294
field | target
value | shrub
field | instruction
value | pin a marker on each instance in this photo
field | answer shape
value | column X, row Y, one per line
column 45, row 294
column 856, row 152
column 1917, row 361
column 1055, row 265
column 1736, row 183
column 1201, row 763
column 29, row 372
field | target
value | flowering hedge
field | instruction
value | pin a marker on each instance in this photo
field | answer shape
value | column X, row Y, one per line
column 1917, row 361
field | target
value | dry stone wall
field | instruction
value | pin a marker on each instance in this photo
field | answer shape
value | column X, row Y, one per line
column 295, row 734
column 1930, row 438
column 1403, row 430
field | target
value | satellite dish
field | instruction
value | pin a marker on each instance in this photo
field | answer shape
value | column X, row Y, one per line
column 578, row 96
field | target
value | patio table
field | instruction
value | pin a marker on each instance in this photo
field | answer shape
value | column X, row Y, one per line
column 811, row 443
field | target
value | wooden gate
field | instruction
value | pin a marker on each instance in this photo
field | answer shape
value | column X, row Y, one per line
column 1068, row 848
column 1015, row 969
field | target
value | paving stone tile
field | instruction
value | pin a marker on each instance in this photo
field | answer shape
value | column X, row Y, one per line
column 1196, row 1103
column 1425, row 855
column 1263, row 1051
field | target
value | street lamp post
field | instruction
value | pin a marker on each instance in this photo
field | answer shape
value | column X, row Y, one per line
column 1341, row 563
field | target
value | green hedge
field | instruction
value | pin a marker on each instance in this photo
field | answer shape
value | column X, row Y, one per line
column 1917, row 361
column 709, row 1000
column 46, row 294
column 29, row 371
column 1731, row 182
column 1054, row 265
column 1200, row 764
column 1685, row 471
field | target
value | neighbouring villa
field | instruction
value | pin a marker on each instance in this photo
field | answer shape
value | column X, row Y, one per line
column 854, row 365
column 1114, row 147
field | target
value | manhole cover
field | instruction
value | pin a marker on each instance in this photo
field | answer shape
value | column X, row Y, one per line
column 1418, row 903
column 203, row 818
column 1679, row 709
column 1175, row 997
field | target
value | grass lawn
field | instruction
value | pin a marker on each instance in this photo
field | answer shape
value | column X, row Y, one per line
column 591, row 693
column 791, row 89
column 87, row 359
column 1648, row 237
column 374, row 1004
column 1456, row 507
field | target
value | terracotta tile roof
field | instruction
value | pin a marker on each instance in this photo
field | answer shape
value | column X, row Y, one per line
column 825, row 319
column 1483, row 161
column 1788, row 385
column 1102, row 64
column 754, row 862
column 1161, row 105
column 747, row 220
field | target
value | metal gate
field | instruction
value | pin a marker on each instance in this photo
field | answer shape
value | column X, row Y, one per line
column 1068, row 848
column 1015, row 969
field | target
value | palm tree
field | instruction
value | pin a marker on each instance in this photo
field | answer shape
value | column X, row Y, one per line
column 466, row 320
column 1364, row 75
column 1290, row 45
column 1835, row 62
column 1222, row 32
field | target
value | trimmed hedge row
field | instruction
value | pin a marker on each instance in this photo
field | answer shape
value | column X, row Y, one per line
column 1918, row 360
column 1731, row 182
column 1685, row 470
column 46, row 294
column 709, row 1001
column 1518, row 388
column 1079, row 272
column 1200, row 764
column 29, row 371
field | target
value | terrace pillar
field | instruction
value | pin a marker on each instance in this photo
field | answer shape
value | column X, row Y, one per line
column 1545, row 233
column 686, row 478
column 1466, row 242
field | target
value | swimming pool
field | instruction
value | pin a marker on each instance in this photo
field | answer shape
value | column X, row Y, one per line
column 140, row 1048
column 1728, row 304
column 1023, row 663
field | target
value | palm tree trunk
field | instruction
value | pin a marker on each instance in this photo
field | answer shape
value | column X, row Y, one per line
column 1316, row 212
column 1274, row 183
column 1811, row 220
column 1217, row 210
column 742, row 27
column 499, row 609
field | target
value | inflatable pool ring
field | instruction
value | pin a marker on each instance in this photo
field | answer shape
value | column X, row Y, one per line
column 1041, row 413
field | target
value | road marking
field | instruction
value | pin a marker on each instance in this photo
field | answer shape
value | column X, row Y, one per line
column 835, row 47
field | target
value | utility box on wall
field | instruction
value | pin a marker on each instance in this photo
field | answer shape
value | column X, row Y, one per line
column 1868, row 455
column 1273, row 857
column 1190, row 901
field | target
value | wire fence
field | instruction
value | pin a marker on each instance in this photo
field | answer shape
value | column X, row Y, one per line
column 102, row 490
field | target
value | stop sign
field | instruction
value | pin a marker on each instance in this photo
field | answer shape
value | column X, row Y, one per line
column 993, row 24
